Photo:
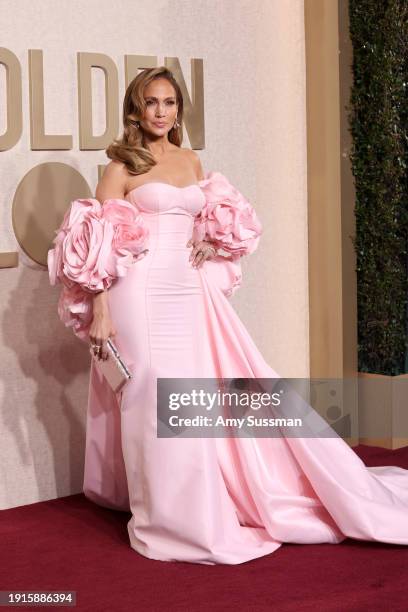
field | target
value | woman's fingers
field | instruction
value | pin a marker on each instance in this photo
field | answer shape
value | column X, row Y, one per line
column 98, row 348
column 200, row 253
column 201, row 257
column 101, row 351
column 104, row 352
column 98, row 344
column 196, row 250
column 193, row 252
column 206, row 256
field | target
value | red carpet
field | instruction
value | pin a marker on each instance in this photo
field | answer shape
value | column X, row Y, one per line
column 72, row 544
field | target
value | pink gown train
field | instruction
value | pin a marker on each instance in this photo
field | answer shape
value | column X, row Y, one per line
column 202, row 500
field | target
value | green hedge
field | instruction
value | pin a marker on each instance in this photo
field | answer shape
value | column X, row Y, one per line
column 378, row 123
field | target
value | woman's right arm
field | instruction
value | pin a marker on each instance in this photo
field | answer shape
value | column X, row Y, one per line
column 101, row 327
column 112, row 185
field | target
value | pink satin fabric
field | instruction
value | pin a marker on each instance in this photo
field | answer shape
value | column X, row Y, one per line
column 213, row 500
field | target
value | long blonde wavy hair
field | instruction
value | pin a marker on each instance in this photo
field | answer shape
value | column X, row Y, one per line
column 130, row 148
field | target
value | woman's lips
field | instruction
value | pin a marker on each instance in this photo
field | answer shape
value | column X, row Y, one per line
column 160, row 124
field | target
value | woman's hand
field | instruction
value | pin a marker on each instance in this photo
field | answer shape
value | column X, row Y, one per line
column 202, row 250
column 101, row 327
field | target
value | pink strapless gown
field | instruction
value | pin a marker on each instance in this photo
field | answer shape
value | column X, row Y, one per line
column 213, row 500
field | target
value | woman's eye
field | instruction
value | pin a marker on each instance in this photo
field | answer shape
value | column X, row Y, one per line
column 148, row 102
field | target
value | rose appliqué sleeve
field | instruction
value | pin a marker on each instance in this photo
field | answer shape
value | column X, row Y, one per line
column 95, row 244
column 230, row 222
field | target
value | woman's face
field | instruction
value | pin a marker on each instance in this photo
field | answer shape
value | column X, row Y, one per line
column 161, row 107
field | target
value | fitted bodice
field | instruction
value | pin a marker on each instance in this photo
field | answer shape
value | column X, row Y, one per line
column 168, row 212
column 154, row 198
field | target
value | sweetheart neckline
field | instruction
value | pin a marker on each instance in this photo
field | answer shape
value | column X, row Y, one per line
column 163, row 183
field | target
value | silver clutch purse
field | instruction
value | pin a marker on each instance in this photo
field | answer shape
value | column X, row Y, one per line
column 114, row 369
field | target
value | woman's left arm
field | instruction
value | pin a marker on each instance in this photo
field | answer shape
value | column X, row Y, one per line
column 227, row 219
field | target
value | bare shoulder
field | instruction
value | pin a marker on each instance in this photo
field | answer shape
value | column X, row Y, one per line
column 113, row 181
column 195, row 160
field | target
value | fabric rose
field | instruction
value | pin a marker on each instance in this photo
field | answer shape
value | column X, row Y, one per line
column 227, row 219
column 75, row 310
column 96, row 243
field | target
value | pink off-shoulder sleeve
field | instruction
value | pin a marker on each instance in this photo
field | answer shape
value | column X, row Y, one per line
column 227, row 219
column 95, row 244
column 230, row 222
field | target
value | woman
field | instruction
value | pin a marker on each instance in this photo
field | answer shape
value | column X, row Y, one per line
column 154, row 267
